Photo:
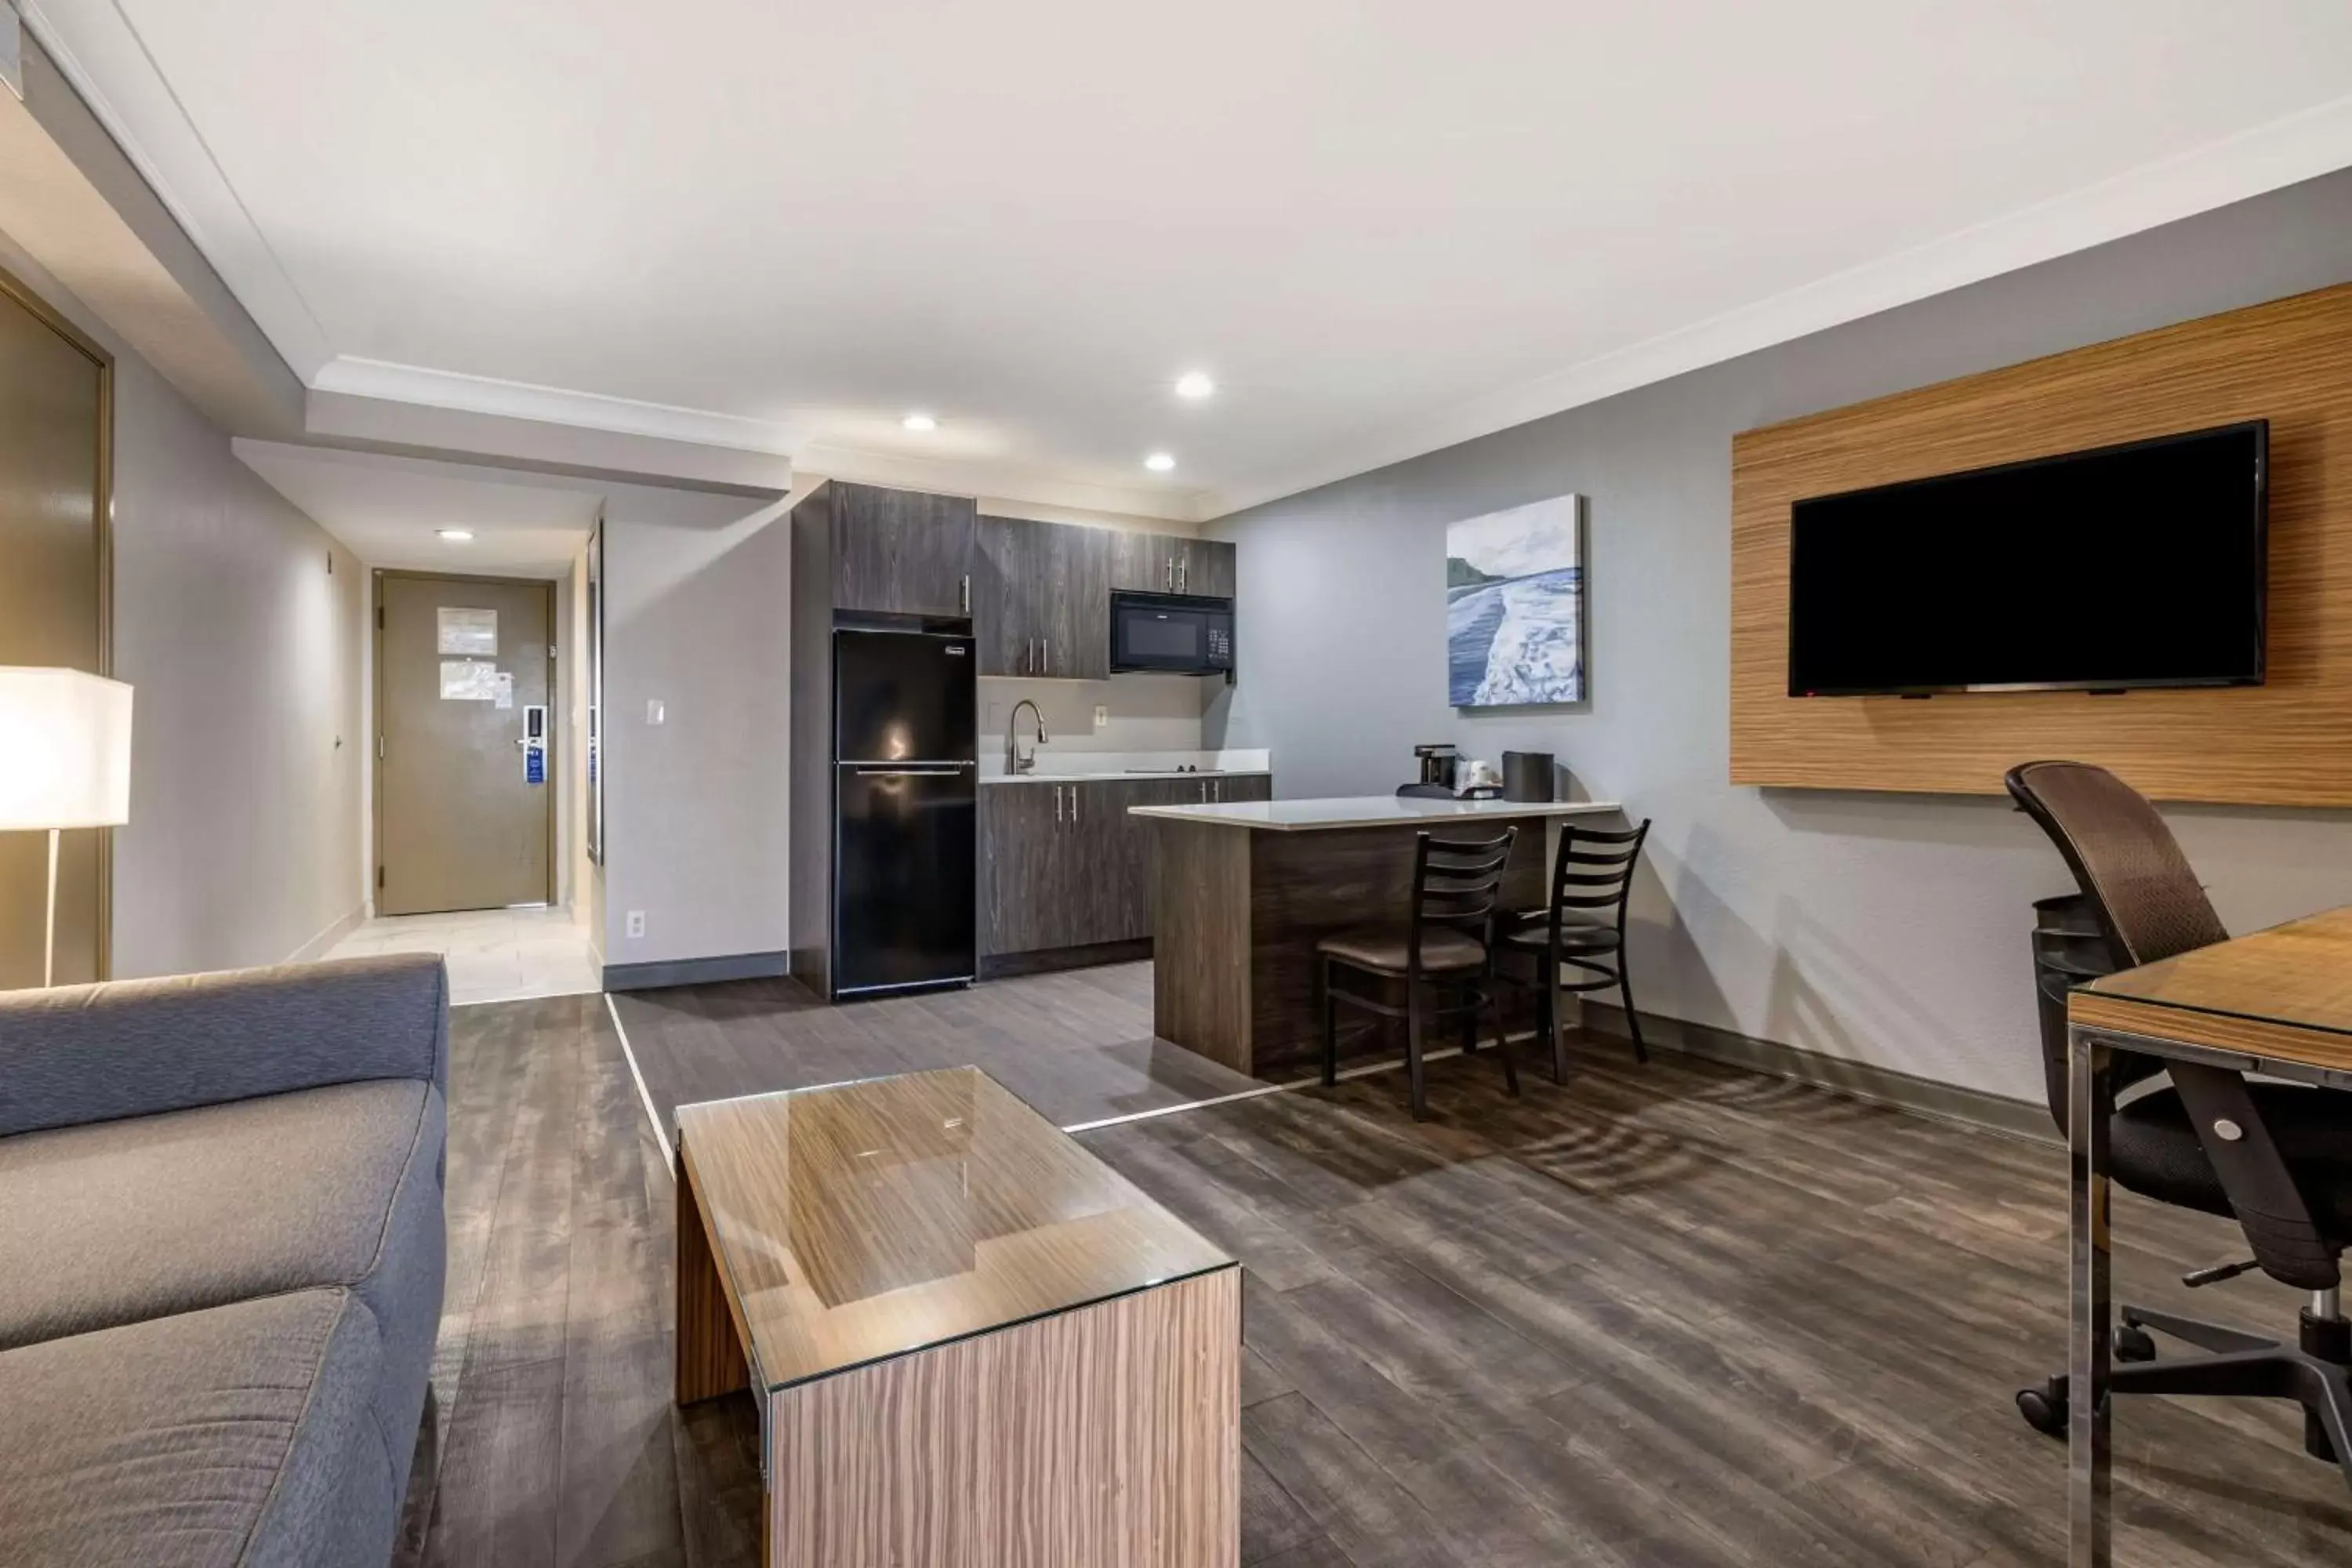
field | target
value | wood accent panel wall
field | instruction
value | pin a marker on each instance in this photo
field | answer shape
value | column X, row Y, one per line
column 2288, row 743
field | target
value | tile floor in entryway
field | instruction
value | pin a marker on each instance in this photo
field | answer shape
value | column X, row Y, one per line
column 494, row 955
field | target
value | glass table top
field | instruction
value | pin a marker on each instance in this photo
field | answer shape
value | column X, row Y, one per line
column 860, row 1221
column 2297, row 975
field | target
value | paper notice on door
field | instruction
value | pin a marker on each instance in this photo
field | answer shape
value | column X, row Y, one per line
column 470, row 632
column 505, row 697
column 473, row 680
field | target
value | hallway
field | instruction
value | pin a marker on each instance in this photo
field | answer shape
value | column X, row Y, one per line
column 494, row 955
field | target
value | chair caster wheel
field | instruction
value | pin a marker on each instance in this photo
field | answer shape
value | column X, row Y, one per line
column 2134, row 1344
column 2044, row 1408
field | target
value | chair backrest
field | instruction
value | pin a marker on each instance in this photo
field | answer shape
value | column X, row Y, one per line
column 2139, row 901
column 1593, row 872
column 1458, row 882
column 2126, row 861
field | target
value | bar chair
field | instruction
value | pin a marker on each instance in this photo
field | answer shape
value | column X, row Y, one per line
column 1443, row 950
column 1583, row 929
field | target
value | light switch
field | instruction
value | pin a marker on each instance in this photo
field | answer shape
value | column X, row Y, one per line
column 1102, row 714
column 653, row 711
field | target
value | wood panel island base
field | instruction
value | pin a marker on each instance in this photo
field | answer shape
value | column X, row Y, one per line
column 1246, row 889
column 972, row 1344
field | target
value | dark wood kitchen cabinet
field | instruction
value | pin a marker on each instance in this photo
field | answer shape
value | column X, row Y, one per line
column 1050, row 853
column 901, row 551
column 1166, row 563
column 1042, row 603
column 1063, row 866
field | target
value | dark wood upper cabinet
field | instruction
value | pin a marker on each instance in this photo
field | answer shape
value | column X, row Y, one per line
column 1042, row 603
column 902, row 550
column 1165, row 564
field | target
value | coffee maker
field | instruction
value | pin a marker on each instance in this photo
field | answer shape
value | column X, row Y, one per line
column 1438, row 763
column 1445, row 775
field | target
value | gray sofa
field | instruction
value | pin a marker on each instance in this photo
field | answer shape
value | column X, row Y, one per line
column 221, row 1259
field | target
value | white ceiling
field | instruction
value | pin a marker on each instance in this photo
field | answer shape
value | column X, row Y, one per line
column 389, row 510
column 1382, row 225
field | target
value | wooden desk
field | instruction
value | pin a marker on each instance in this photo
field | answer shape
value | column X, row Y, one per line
column 2278, row 1002
column 971, row 1342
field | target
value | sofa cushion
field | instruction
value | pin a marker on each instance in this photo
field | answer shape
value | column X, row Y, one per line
column 120, row 1221
column 219, row 1437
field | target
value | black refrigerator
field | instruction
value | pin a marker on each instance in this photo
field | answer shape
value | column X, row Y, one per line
column 906, row 810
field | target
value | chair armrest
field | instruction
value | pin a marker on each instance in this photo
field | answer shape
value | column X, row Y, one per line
column 134, row 1047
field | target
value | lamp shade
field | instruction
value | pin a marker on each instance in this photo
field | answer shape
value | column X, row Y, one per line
column 65, row 749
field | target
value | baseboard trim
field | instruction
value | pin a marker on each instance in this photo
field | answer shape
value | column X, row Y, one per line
column 1048, row 961
column 1863, row 1081
column 339, row 928
column 696, row 970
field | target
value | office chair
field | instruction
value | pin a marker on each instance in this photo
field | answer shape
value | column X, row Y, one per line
column 1582, row 928
column 2277, row 1158
column 1443, row 952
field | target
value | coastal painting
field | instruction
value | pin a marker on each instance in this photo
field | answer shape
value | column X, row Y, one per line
column 1514, row 605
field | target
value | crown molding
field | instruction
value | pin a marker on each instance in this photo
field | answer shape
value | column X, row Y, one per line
column 91, row 41
column 1022, row 484
column 2286, row 151
column 453, row 390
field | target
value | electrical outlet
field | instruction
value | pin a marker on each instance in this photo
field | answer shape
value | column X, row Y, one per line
column 1102, row 714
column 654, row 710
column 637, row 923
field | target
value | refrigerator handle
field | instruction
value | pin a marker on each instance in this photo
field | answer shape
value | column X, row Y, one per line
column 945, row 773
column 966, row 591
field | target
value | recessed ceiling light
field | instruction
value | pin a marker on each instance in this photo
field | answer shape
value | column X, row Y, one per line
column 1194, row 384
column 457, row 535
column 919, row 422
column 1159, row 462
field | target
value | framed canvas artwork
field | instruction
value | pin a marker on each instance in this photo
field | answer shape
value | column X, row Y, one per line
column 1514, row 605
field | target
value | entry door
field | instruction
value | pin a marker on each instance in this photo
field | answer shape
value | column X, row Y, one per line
column 464, row 819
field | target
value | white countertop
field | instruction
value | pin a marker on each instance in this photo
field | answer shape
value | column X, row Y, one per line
column 1068, row 777
column 1369, row 811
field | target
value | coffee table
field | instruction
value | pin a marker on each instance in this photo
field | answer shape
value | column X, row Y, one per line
column 971, row 1342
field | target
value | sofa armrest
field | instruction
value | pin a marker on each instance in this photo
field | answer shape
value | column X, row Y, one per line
column 133, row 1048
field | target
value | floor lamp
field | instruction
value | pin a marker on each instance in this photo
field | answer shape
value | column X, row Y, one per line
column 66, row 740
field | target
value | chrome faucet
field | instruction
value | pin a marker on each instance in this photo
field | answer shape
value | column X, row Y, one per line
column 1015, row 762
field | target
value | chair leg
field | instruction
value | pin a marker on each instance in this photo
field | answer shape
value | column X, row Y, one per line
column 1548, row 1015
column 1633, row 1019
column 1330, row 1026
column 1413, row 1052
column 1503, row 1045
column 2204, row 1336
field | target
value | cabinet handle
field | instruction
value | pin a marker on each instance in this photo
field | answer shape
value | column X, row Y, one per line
column 965, row 594
column 1073, row 804
column 1049, row 669
column 1168, row 575
column 1057, row 803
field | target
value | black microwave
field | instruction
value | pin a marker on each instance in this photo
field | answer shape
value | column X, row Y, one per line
column 1172, row 634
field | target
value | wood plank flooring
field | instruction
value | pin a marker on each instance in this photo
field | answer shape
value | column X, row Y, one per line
column 1077, row 1045
column 1675, row 1316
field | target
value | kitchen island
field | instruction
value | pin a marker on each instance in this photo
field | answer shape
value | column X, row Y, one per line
column 1244, row 890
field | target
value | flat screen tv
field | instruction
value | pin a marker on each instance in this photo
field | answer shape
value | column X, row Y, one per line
column 2137, row 565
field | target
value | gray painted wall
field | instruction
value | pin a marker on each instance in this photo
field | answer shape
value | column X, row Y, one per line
column 1884, row 929
column 244, row 841
column 698, row 613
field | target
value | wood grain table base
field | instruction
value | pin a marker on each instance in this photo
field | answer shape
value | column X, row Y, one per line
column 1106, row 1436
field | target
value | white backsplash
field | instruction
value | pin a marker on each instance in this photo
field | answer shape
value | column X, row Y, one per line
column 1147, row 712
